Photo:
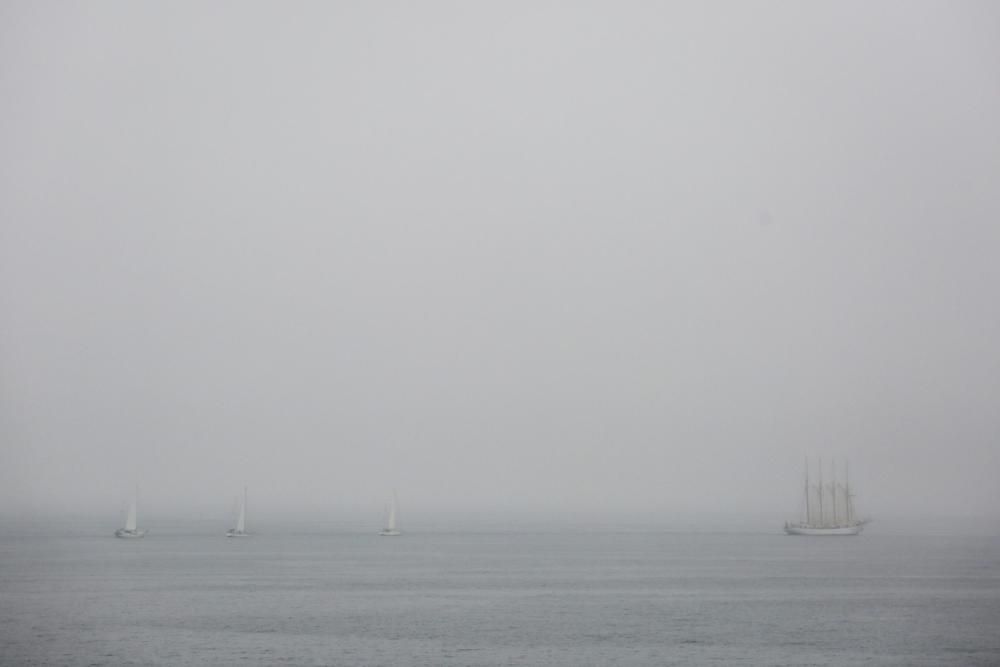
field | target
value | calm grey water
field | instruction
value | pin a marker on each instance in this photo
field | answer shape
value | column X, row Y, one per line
column 185, row 595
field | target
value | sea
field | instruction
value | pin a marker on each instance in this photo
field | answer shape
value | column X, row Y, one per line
column 508, row 593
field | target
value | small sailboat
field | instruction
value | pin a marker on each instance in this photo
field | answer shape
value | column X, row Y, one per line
column 130, row 529
column 390, row 529
column 241, row 522
column 829, row 508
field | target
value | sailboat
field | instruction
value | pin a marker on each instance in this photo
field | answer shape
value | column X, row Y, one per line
column 390, row 529
column 829, row 507
column 130, row 529
column 241, row 522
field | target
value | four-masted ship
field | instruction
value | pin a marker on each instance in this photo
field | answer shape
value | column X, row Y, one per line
column 829, row 507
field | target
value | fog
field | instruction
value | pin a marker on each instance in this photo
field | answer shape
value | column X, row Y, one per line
column 531, row 256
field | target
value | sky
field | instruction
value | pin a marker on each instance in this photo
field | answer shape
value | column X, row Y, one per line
column 517, row 256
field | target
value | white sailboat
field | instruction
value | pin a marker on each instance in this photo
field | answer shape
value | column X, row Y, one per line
column 131, row 530
column 829, row 507
column 241, row 522
column 390, row 529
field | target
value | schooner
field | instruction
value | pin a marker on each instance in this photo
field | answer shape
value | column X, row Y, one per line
column 829, row 508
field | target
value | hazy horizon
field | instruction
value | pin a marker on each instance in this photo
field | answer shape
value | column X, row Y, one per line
column 631, row 257
column 369, row 517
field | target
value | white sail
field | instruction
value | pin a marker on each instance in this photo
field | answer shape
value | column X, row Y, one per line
column 241, row 522
column 130, row 522
column 390, row 518
column 241, row 519
column 390, row 522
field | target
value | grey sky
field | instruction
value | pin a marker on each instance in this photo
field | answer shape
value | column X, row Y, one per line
column 514, row 255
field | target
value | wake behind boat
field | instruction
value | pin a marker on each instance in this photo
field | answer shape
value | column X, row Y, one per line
column 390, row 529
column 829, row 507
column 130, row 530
column 241, row 522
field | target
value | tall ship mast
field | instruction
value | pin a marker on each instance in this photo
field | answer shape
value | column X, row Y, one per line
column 840, row 518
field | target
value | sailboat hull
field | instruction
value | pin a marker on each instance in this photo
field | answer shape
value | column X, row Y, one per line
column 390, row 533
column 236, row 533
column 838, row 531
column 130, row 534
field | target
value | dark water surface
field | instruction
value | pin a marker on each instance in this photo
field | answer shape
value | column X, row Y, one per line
column 186, row 595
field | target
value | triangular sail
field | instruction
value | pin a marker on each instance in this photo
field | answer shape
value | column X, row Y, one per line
column 390, row 522
column 241, row 522
column 130, row 522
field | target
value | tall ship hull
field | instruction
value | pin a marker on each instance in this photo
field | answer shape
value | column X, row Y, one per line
column 829, row 507
column 817, row 531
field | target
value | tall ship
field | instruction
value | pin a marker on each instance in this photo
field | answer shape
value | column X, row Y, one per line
column 829, row 507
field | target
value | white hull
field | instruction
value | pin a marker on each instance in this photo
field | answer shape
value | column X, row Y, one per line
column 236, row 533
column 390, row 533
column 793, row 529
column 130, row 534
